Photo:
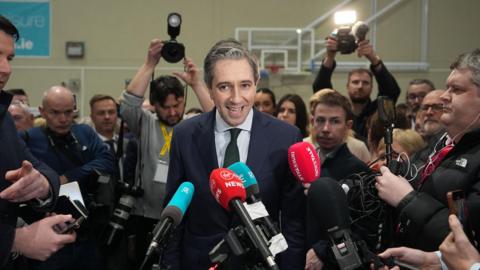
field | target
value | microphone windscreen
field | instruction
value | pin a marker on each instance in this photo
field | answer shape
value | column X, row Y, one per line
column 179, row 203
column 304, row 162
column 328, row 201
column 246, row 175
column 226, row 186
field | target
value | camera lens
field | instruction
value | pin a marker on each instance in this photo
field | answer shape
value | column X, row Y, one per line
column 173, row 52
column 122, row 211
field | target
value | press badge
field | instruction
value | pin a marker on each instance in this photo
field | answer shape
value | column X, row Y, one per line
column 161, row 172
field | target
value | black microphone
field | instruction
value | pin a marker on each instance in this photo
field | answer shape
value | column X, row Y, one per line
column 328, row 202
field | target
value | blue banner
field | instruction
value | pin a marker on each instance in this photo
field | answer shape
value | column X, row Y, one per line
column 32, row 19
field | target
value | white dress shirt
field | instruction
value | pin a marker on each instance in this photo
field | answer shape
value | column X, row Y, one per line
column 222, row 137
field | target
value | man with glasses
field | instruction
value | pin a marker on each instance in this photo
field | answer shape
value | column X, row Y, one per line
column 431, row 128
column 416, row 91
column 430, row 113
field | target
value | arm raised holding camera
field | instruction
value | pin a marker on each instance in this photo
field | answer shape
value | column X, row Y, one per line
column 366, row 49
column 192, row 77
column 139, row 84
column 324, row 76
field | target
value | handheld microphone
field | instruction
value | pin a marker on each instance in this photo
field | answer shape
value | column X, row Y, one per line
column 256, row 209
column 327, row 201
column 228, row 190
column 172, row 215
column 304, row 162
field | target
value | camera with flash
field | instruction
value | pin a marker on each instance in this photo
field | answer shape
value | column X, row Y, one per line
column 348, row 33
column 172, row 50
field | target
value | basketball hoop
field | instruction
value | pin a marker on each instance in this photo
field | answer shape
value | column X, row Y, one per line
column 273, row 68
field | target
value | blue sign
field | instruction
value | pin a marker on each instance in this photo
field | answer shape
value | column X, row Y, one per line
column 32, row 19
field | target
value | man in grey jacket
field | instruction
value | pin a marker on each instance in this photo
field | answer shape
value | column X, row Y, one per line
column 154, row 132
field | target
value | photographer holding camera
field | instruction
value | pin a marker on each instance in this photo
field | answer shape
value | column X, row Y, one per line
column 154, row 133
column 359, row 84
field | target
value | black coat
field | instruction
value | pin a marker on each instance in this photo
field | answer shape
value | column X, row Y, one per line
column 426, row 210
column 12, row 153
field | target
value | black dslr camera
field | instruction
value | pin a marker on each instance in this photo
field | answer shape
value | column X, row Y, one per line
column 172, row 50
column 121, row 213
column 348, row 37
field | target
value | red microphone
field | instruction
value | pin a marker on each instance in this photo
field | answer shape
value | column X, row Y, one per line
column 304, row 162
column 225, row 186
column 228, row 190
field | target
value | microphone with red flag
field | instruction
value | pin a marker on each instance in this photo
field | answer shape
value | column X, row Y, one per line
column 304, row 162
column 228, row 190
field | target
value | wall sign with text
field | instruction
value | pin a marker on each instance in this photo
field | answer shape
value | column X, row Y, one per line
column 32, row 19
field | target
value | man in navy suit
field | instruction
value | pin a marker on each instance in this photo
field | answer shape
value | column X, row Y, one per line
column 199, row 146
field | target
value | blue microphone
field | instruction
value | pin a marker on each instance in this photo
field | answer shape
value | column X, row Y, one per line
column 257, row 209
column 249, row 181
column 171, row 216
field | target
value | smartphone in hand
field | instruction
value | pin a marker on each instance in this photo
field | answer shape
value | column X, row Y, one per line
column 456, row 204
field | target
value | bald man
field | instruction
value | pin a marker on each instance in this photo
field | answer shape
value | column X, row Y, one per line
column 77, row 154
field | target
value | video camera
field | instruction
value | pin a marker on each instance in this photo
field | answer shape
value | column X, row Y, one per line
column 172, row 50
column 348, row 34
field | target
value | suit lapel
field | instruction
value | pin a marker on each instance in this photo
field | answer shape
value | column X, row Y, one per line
column 204, row 138
column 259, row 141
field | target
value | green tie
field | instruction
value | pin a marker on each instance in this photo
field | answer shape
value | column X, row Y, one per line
column 231, row 154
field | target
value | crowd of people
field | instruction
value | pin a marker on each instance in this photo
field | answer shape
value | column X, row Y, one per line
column 130, row 157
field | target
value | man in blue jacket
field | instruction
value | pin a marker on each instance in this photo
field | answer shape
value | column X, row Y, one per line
column 23, row 179
column 199, row 145
column 77, row 154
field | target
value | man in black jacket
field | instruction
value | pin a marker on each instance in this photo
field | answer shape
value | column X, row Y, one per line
column 359, row 84
column 332, row 120
column 454, row 164
column 23, row 179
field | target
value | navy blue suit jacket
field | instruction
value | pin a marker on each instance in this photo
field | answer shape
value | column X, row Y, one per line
column 13, row 152
column 193, row 157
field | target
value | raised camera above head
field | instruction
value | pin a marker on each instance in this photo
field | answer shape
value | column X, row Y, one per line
column 348, row 33
column 172, row 50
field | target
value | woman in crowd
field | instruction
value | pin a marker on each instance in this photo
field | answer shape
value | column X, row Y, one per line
column 265, row 101
column 292, row 110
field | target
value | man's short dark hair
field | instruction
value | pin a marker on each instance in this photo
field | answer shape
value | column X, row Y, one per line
column 269, row 92
column 162, row 87
column 16, row 92
column 100, row 97
column 8, row 27
column 360, row 70
column 422, row 81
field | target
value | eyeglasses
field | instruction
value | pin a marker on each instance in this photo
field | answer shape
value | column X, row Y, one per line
column 419, row 96
column 435, row 107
